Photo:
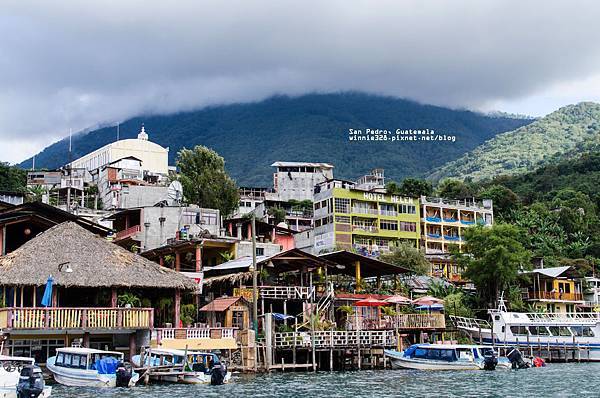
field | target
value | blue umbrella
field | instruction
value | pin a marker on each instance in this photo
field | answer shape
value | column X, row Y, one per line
column 47, row 299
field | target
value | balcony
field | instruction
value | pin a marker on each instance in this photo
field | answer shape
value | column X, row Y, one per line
column 126, row 233
column 286, row 292
column 160, row 334
column 554, row 296
column 76, row 318
column 365, row 228
column 336, row 338
column 364, row 210
column 400, row 321
column 388, row 213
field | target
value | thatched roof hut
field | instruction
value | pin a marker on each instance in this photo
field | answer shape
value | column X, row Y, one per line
column 95, row 262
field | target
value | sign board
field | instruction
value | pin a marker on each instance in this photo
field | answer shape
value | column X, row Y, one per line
column 244, row 292
column 180, row 334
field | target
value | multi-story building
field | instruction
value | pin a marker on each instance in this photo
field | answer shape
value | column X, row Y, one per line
column 296, row 180
column 443, row 221
column 154, row 157
column 369, row 221
column 553, row 290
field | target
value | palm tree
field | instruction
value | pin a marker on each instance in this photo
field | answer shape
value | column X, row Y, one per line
column 35, row 193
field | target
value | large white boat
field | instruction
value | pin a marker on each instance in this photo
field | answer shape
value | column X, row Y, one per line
column 10, row 371
column 536, row 330
column 445, row 357
column 86, row 367
column 180, row 366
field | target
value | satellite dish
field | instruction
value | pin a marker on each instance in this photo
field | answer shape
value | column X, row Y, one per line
column 175, row 192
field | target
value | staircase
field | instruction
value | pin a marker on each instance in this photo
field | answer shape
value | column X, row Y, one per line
column 324, row 305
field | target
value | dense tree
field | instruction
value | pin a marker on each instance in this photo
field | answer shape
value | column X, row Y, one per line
column 503, row 198
column 205, row 181
column 412, row 187
column 492, row 258
column 12, row 179
column 451, row 188
column 407, row 256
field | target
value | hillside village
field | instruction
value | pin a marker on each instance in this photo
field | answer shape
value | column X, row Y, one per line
column 356, row 266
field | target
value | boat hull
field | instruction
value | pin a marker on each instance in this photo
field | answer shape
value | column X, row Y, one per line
column 188, row 378
column 85, row 378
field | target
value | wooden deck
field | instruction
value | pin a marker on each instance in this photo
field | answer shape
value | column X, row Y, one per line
column 336, row 339
column 76, row 318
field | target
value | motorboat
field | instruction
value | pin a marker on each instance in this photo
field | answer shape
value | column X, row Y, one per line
column 10, row 376
column 182, row 366
column 447, row 357
column 86, row 367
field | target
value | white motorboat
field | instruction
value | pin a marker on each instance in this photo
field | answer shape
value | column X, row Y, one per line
column 85, row 367
column 180, row 366
column 445, row 357
column 10, row 371
column 535, row 330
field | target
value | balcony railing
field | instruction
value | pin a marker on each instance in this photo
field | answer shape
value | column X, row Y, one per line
column 365, row 228
column 193, row 333
column 76, row 318
column 363, row 210
column 389, row 213
column 126, row 233
column 401, row 321
column 554, row 296
column 286, row 292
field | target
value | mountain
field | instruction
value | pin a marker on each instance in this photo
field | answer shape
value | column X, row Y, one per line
column 313, row 127
column 558, row 136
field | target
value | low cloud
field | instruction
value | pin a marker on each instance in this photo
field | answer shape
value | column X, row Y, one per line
column 70, row 64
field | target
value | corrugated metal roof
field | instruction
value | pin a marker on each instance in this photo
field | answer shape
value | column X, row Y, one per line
column 302, row 164
column 553, row 272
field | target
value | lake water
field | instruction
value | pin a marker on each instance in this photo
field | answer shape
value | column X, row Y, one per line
column 556, row 380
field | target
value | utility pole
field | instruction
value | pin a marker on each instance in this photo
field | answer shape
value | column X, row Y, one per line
column 254, row 276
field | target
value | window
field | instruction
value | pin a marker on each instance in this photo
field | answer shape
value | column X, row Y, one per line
column 317, row 205
column 518, row 330
column 342, row 205
column 209, row 218
column 582, row 331
column 389, row 225
column 60, row 359
column 408, row 226
column 559, row 331
column 539, row 331
column 342, row 219
column 408, row 209
column 260, row 251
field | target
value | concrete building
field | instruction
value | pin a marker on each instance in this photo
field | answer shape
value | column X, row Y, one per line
column 60, row 186
column 296, row 180
column 154, row 157
column 371, row 222
column 443, row 221
column 150, row 227
column 12, row 198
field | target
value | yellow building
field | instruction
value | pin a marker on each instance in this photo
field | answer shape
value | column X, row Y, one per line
column 154, row 158
column 369, row 221
column 553, row 290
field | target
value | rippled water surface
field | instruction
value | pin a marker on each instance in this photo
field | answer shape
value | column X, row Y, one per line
column 556, row 380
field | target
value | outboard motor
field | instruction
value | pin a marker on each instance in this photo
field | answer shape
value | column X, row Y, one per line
column 516, row 359
column 31, row 382
column 217, row 374
column 124, row 373
column 490, row 362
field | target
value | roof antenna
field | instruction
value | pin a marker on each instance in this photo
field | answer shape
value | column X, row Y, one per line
column 118, row 131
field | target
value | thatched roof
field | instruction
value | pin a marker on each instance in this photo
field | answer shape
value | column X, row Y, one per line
column 231, row 279
column 95, row 262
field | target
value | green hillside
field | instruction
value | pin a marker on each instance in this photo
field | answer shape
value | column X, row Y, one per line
column 569, row 131
column 311, row 127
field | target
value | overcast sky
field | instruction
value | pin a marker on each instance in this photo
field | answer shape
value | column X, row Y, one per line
column 74, row 64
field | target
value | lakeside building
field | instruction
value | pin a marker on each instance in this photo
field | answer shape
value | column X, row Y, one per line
column 154, row 157
column 86, row 274
column 553, row 290
column 443, row 221
column 348, row 216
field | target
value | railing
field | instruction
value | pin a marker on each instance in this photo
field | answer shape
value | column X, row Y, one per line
column 193, row 333
column 76, row 318
column 365, row 228
column 128, row 232
column 470, row 323
column 337, row 338
column 286, row 292
column 362, row 210
column 554, row 296
column 389, row 213
column 400, row 321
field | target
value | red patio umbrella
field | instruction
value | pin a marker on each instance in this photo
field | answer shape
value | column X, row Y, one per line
column 370, row 302
column 427, row 300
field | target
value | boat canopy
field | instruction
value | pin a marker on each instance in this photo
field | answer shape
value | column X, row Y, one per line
column 107, row 365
